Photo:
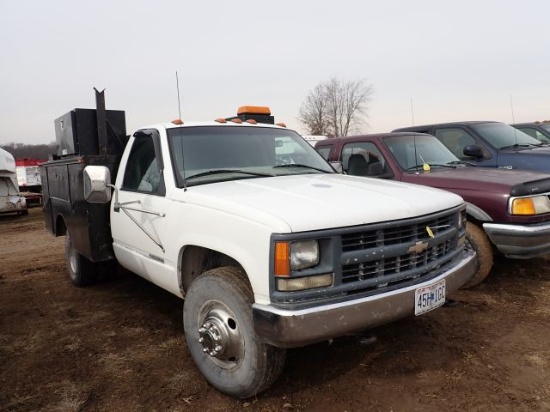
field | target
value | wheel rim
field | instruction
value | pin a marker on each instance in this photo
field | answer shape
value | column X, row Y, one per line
column 219, row 335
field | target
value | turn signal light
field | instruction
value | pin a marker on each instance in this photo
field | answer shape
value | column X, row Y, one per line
column 523, row 206
column 282, row 259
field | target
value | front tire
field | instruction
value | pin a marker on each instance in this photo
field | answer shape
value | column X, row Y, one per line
column 217, row 316
column 484, row 254
column 81, row 271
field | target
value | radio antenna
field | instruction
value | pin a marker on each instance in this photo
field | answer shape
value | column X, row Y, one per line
column 178, row 90
column 182, row 155
column 415, row 154
column 513, row 118
column 512, row 109
column 414, row 138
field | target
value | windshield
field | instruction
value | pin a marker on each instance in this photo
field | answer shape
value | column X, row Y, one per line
column 207, row 154
column 545, row 127
column 428, row 150
column 501, row 135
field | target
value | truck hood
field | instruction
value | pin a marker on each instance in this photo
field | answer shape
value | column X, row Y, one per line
column 535, row 158
column 308, row 202
column 480, row 179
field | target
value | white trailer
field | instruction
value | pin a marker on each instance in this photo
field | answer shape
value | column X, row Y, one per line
column 10, row 200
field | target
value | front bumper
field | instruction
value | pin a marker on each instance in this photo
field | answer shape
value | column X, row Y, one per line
column 520, row 242
column 11, row 204
column 293, row 328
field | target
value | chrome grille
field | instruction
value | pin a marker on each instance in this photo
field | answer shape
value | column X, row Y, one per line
column 395, row 235
column 395, row 265
column 385, row 256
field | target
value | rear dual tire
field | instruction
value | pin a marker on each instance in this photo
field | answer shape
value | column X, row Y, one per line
column 81, row 271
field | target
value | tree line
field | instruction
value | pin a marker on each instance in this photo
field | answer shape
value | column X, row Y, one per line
column 31, row 151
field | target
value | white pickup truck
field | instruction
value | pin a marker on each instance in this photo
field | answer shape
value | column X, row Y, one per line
column 269, row 246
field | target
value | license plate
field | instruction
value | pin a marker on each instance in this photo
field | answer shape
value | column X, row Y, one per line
column 429, row 297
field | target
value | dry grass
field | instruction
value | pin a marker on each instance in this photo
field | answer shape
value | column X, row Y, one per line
column 72, row 398
column 117, row 364
column 171, row 344
column 538, row 359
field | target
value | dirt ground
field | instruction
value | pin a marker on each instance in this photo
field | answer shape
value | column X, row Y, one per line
column 119, row 346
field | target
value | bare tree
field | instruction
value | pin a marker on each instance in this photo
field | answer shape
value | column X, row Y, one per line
column 336, row 108
column 313, row 112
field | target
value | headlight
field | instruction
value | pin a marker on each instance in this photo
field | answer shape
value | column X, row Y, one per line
column 534, row 205
column 291, row 256
column 304, row 254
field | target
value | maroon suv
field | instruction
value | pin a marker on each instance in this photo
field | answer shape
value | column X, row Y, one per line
column 508, row 211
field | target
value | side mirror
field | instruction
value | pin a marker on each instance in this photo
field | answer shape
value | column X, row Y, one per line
column 337, row 166
column 473, row 150
column 97, row 180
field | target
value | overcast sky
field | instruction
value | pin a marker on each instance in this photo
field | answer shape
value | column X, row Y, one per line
column 428, row 60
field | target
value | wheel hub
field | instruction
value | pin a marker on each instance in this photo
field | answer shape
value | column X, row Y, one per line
column 219, row 337
column 211, row 339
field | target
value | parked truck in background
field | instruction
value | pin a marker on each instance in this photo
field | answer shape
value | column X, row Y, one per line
column 538, row 130
column 490, row 144
column 28, row 174
column 508, row 211
column 268, row 254
column 10, row 199
column 29, row 180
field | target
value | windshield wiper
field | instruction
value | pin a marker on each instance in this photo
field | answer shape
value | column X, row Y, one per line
column 300, row 166
column 461, row 162
column 449, row 165
column 221, row 171
column 520, row 145
column 421, row 167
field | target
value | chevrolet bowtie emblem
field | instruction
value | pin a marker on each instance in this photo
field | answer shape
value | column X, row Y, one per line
column 418, row 247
